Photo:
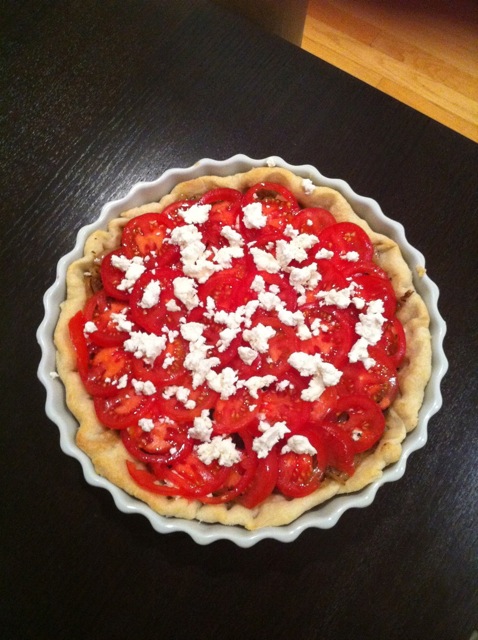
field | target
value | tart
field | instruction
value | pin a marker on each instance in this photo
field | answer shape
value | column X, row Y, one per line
column 243, row 350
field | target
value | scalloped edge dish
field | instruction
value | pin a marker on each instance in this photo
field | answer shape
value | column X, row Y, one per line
column 323, row 516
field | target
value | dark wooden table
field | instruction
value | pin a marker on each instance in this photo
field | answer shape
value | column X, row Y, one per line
column 100, row 95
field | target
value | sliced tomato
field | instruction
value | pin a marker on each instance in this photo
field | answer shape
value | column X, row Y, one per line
column 203, row 397
column 280, row 285
column 393, row 341
column 149, row 316
column 123, row 409
column 333, row 333
column 146, row 480
column 144, row 235
column 235, row 413
column 339, row 447
column 76, row 328
column 101, row 310
column 280, row 346
column 278, row 206
column 379, row 382
column 363, row 268
column 193, row 478
column 263, row 482
column 343, row 237
column 279, row 404
column 168, row 368
column 300, row 474
column 330, row 278
column 374, row 288
column 165, row 443
column 225, row 288
column 238, row 479
column 225, row 211
column 172, row 211
column 112, row 277
column 312, row 220
column 107, row 366
column 361, row 419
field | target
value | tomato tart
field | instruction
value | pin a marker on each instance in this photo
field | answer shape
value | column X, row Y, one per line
column 243, row 350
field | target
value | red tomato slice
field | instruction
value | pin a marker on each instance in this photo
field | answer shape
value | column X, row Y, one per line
column 312, row 220
column 344, row 237
column 278, row 405
column 146, row 480
column 339, row 447
column 106, row 367
column 167, row 442
column 379, row 382
column 239, row 478
column 280, row 346
column 168, row 368
column 225, row 212
column 225, row 289
column 374, row 288
column 301, row 474
column 154, row 318
column 144, row 234
column 193, row 478
column 203, row 396
column 123, row 409
column 335, row 329
column 263, row 482
column 171, row 212
column 235, row 413
column 99, row 309
column 393, row 341
column 112, row 277
column 363, row 268
column 278, row 206
column 361, row 419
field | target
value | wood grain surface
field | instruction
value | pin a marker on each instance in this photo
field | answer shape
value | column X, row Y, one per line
column 100, row 95
column 424, row 53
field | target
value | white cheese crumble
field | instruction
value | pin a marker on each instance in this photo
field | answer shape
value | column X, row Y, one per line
column 255, row 383
column 324, row 254
column 232, row 236
column 196, row 214
column 264, row 261
column 253, row 216
column 296, row 249
column 90, row 327
column 143, row 387
column 221, row 449
column 202, row 427
column 258, row 337
column 247, row 355
column 323, row 374
column 185, row 290
column 151, row 294
column 146, row 424
column 145, row 345
column 132, row 268
column 308, row 186
column 271, row 434
column 299, row 444
column 351, row 256
column 224, row 382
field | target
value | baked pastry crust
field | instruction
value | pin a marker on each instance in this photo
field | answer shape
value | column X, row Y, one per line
column 104, row 446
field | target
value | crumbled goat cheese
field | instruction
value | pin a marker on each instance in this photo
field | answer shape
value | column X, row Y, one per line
column 90, row 327
column 224, row 256
column 143, row 387
column 146, row 424
column 132, row 268
column 202, row 427
column 324, row 254
column 271, row 434
column 271, row 162
column 258, row 284
column 351, row 256
column 255, row 383
column 341, row 298
column 300, row 445
column 224, row 382
column 192, row 331
column 247, row 355
column 296, row 249
column 122, row 322
column 232, row 236
column 185, row 290
column 258, row 337
column 308, row 186
column 151, row 294
column 221, row 449
column 304, row 278
column 122, row 382
column 196, row 213
column 264, row 261
column 253, row 216
column 323, row 374
column 145, row 345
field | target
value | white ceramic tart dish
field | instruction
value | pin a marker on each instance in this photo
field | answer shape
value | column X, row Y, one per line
column 100, row 450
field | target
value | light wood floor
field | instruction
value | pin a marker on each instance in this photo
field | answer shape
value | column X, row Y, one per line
column 422, row 52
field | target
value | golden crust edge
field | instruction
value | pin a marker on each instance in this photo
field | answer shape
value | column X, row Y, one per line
column 104, row 446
